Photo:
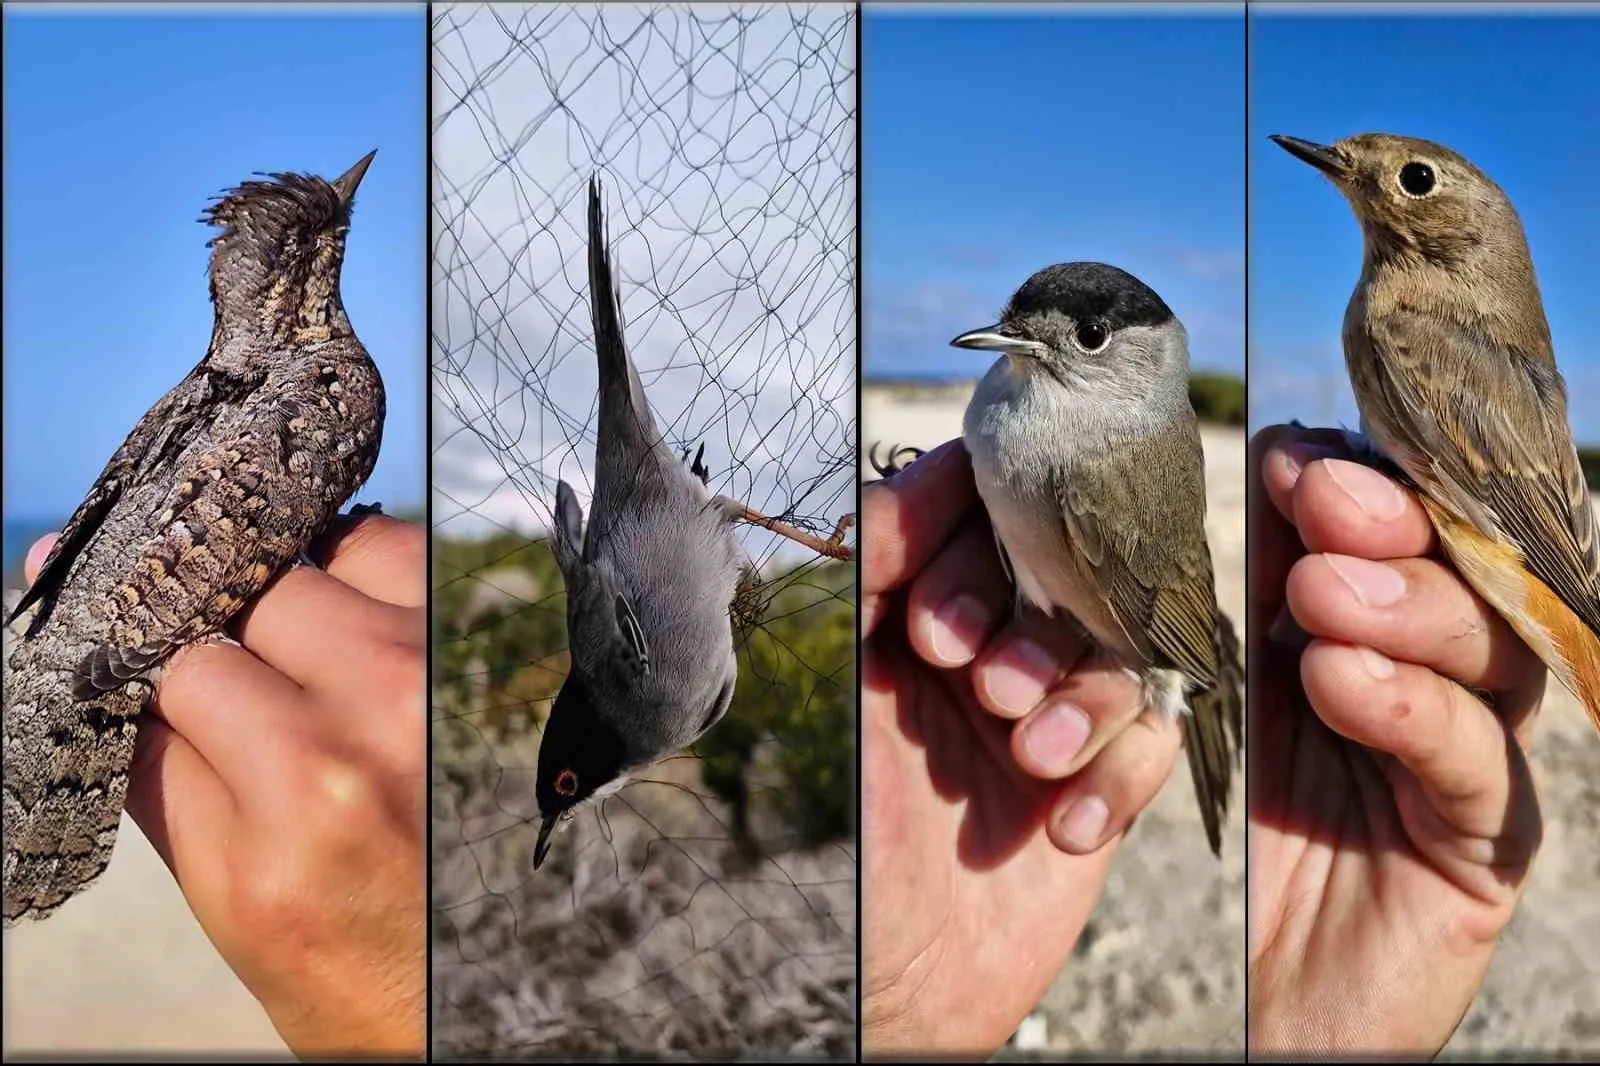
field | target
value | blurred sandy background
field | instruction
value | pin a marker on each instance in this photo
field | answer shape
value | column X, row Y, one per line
column 1160, row 966
column 125, row 968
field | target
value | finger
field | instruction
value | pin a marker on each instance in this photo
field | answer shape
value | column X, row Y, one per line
column 1023, row 661
column 907, row 518
column 36, row 556
column 382, row 557
column 1451, row 741
column 1414, row 610
column 959, row 600
column 179, row 802
column 306, row 621
column 1340, row 506
column 1098, row 804
column 1083, row 715
column 1276, row 457
column 1281, row 453
column 242, row 716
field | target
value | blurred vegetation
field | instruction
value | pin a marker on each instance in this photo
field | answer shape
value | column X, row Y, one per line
column 1218, row 397
column 1589, row 459
column 786, row 748
column 797, row 679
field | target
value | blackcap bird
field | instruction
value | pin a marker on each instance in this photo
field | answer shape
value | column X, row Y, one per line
column 1087, row 455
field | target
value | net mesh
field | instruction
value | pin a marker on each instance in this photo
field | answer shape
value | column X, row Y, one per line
column 708, row 908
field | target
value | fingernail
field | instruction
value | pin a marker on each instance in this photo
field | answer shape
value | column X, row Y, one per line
column 1378, row 667
column 1083, row 823
column 1017, row 676
column 1378, row 498
column 1373, row 584
column 1054, row 737
column 958, row 628
column 1297, row 455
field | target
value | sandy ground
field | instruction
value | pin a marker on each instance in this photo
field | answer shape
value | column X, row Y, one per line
column 125, row 967
column 1160, row 967
column 1162, row 970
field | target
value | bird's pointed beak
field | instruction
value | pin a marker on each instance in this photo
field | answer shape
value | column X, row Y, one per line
column 345, row 184
column 991, row 339
column 541, row 847
column 1324, row 157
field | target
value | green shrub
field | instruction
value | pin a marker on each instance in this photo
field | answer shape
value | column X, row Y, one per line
column 1589, row 459
column 796, row 687
column 1218, row 397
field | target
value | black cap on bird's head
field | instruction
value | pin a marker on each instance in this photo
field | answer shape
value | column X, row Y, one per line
column 580, row 754
column 1070, row 309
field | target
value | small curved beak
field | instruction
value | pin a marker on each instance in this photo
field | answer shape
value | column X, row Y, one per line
column 547, row 829
column 990, row 339
column 345, row 184
column 1325, row 158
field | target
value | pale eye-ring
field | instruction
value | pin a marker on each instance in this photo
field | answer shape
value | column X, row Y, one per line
column 1091, row 335
column 567, row 783
column 1416, row 179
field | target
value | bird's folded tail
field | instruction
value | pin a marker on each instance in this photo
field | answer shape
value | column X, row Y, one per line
column 623, row 407
column 61, row 824
column 1576, row 658
column 1560, row 638
column 1213, row 733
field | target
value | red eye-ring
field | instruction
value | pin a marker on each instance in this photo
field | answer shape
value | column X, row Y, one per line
column 567, row 783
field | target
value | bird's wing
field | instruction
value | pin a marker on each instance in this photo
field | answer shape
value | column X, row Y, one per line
column 1488, row 428
column 235, row 517
column 164, row 431
column 1135, row 513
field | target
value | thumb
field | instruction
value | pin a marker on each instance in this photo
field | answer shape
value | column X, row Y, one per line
column 37, row 555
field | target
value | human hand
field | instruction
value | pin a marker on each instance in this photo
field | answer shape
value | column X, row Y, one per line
column 1000, row 769
column 283, row 784
column 1392, row 818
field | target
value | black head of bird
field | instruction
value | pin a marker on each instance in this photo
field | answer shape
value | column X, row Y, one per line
column 581, row 759
column 1084, row 322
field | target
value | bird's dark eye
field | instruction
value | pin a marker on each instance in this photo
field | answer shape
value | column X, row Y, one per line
column 567, row 783
column 1091, row 336
column 1416, row 179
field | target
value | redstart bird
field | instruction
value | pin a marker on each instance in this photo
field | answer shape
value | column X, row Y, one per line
column 1449, row 354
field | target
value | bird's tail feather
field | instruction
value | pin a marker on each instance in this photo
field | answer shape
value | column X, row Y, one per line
column 1577, row 645
column 1549, row 626
column 1213, row 734
column 623, row 408
column 60, row 825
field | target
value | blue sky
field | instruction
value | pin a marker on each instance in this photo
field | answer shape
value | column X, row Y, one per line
column 119, row 129
column 997, row 144
column 1516, row 94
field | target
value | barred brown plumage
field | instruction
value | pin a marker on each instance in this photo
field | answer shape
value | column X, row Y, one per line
column 218, row 488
